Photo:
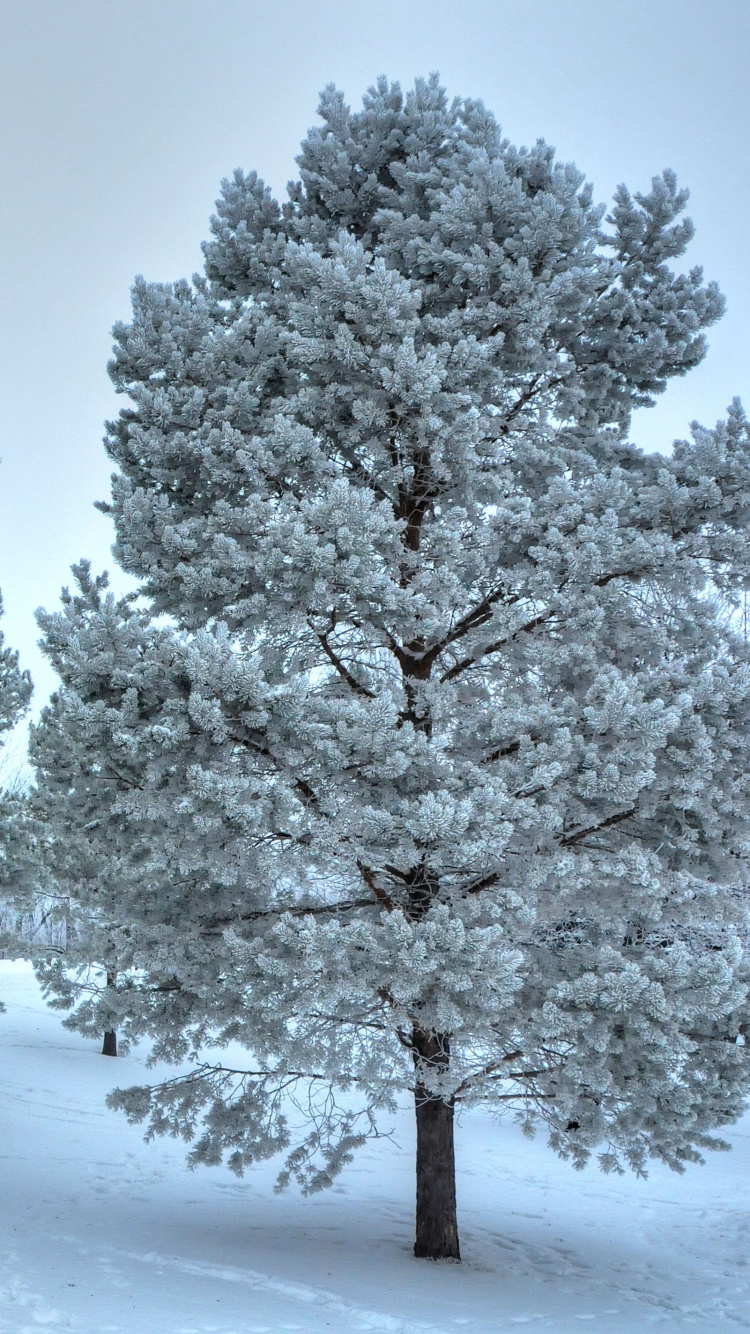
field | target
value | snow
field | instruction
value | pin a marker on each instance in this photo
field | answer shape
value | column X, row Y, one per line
column 103, row 1234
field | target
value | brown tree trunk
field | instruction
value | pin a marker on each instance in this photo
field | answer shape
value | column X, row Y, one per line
column 109, row 1046
column 437, row 1224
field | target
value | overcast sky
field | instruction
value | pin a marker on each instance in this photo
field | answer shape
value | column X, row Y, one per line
column 120, row 117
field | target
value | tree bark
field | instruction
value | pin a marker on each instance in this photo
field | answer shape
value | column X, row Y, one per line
column 109, row 1046
column 437, row 1223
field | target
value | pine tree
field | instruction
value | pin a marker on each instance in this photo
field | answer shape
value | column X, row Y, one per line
column 422, row 762
column 15, row 692
column 84, row 854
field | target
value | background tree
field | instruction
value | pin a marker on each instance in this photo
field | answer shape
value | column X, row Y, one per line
column 430, row 771
column 15, row 831
column 85, row 854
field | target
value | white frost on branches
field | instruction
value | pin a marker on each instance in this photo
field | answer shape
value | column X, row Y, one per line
column 432, row 730
column 15, row 692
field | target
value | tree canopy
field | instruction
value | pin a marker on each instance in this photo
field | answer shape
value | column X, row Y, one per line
column 421, row 763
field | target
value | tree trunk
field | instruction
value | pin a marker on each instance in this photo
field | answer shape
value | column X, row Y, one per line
column 109, row 1046
column 437, row 1224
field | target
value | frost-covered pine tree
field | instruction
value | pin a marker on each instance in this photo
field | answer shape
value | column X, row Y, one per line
column 84, row 853
column 425, row 766
column 15, row 693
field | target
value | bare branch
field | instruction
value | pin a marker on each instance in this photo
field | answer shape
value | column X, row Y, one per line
column 248, row 740
column 359, row 470
column 487, row 1070
column 571, row 839
column 473, row 619
column 299, row 910
column 369, row 878
column 536, row 621
column 525, row 397
column 343, row 671
column 501, row 752
column 485, row 883
column 471, row 661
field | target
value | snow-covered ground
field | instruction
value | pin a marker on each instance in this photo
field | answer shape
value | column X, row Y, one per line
column 103, row 1234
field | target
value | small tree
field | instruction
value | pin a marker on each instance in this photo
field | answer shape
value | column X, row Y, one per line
column 15, row 693
column 84, row 856
column 430, row 773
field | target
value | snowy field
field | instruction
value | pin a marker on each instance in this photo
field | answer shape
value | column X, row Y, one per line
column 103, row 1234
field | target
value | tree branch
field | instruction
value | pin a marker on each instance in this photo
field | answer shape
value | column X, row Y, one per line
column 486, row 1070
column 474, row 658
column 540, row 619
column 250, row 743
column 343, row 671
column 380, row 894
column 525, row 397
column 571, row 839
column 299, row 910
column 471, row 620
column 510, row 749
column 359, row 470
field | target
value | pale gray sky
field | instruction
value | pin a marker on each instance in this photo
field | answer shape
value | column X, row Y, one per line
column 119, row 118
